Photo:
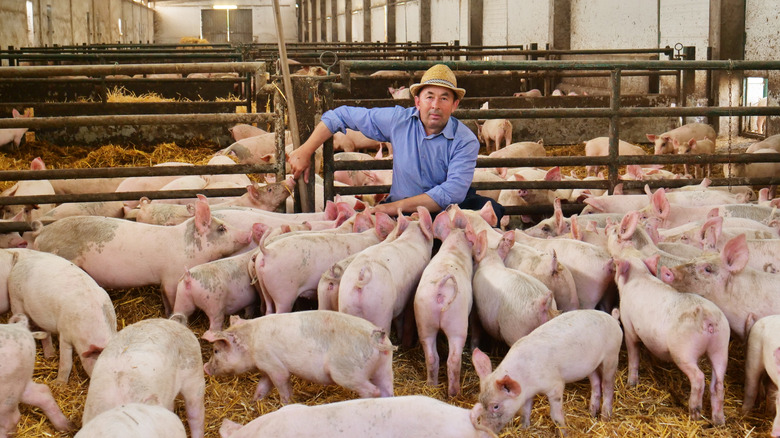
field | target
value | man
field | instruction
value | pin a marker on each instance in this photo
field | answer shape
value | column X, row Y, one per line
column 434, row 154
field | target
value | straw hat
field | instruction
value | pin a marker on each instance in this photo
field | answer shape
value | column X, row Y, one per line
column 439, row 75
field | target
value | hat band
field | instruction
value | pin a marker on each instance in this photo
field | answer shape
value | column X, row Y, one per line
column 439, row 82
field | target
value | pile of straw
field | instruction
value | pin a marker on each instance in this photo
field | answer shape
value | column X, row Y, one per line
column 656, row 407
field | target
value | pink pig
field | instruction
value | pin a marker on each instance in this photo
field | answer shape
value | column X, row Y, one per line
column 62, row 299
column 16, row 384
column 292, row 266
column 400, row 92
column 122, row 254
column 219, row 288
column 763, row 356
column 509, row 303
column 242, row 131
column 122, row 422
column 14, row 135
column 321, row 346
column 571, row 347
column 134, row 370
column 443, row 298
column 663, row 143
column 411, row 416
column 674, row 326
column 378, row 283
column 495, row 133
column 599, row 147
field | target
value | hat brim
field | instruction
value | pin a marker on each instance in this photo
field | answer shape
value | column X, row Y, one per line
column 459, row 92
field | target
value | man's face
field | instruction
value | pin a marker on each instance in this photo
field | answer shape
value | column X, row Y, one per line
column 435, row 104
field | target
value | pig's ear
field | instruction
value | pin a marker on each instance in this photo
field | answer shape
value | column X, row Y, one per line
column 488, row 214
column 212, row 337
column 92, row 352
column 480, row 247
column 236, row 320
column 330, row 210
column 202, row 215
column 667, row 275
column 426, row 223
column 735, row 254
column 661, row 204
column 560, row 223
column 652, row 263
column 460, row 220
column 553, row 174
column 441, row 226
column 15, row 113
column 508, row 386
column 481, row 362
column 575, row 228
column 651, row 137
column 596, row 203
column 37, row 164
column 228, row 428
column 40, row 335
column 710, row 231
column 384, row 224
column 506, row 243
column 253, row 190
column 362, row 222
column 628, row 225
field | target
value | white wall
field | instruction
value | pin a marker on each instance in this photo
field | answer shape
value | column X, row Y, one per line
column 617, row 24
column 446, row 20
column 173, row 23
column 378, row 19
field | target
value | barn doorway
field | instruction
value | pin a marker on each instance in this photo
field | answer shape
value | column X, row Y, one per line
column 754, row 93
column 226, row 25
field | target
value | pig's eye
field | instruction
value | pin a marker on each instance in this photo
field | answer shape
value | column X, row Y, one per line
column 708, row 269
column 495, row 408
column 546, row 229
column 221, row 229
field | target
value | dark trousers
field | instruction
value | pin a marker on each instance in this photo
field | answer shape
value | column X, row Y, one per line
column 474, row 201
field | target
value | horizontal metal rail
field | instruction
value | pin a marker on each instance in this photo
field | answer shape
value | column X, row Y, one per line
column 155, row 119
column 44, row 71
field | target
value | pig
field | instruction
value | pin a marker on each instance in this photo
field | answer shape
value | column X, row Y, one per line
column 123, row 422
column 663, row 143
column 14, row 136
column 188, row 182
column 311, row 71
column 599, row 147
column 260, row 149
column 509, row 303
column 530, row 93
column 444, row 297
column 322, row 346
column 328, row 286
column 674, row 326
column 695, row 147
column 16, row 384
column 377, row 285
column 400, row 92
column 545, row 268
column 771, row 142
column 518, row 150
column 495, row 133
column 410, row 416
column 292, row 266
column 763, row 355
column 133, row 370
column 65, row 301
column 242, row 131
column 362, row 142
column 29, row 188
column 392, row 74
column 263, row 196
column 146, row 183
column 221, row 287
column 13, row 239
column 239, row 179
column 100, row 208
column 575, row 345
column 724, row 279
column 753, row 170
column 121, row 254
column 590, row 266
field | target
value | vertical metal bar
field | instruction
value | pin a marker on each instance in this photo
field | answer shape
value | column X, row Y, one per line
column 279, row 110
column 614, row 129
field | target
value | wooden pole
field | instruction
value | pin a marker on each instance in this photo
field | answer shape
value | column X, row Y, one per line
column 288, row 90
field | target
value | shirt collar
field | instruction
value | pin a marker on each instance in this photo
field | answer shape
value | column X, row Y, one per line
column 449, row 129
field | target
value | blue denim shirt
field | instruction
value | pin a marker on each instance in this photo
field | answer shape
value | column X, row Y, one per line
column 440, row 165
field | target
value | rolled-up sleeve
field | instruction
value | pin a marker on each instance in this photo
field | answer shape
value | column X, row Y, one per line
column 374, row 123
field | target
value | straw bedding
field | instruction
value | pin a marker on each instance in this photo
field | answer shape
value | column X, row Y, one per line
column 656, row 407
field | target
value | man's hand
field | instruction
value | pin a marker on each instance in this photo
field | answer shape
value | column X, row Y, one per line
column 300, row 162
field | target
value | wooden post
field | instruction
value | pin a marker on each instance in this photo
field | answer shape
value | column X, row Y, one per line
column 292, row 116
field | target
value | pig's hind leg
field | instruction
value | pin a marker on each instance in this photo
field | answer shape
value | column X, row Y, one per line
column 264, row 385
column 595, row 392
column 37, row 394
column 66, row 360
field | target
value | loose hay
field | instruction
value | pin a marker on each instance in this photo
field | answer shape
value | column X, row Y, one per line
column 656, row 407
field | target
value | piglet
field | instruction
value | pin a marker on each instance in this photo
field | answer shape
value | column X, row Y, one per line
column 16, row 385
column 242, row 131
column 411, row 416
column 120, row 254
column 675, row 326
column 599, row 147
column 322, row 346
column 571, row 347
column 444, row 297
column 62, row 299
column 328, row 286
column 495, row 133
column 377, row 285
column 509, row 303
column 664, row 143
column 763, row 355
column 151, row 362
column 292, row 266
column 400, row 92
column 134, row 420
column 221, row 287
column 29, row 188
column 14, row 135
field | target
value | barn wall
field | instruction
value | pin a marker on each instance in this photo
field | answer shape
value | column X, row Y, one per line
column 173, row 23
column 13, row 23
column 446, row 25
column 762, row 41
column 378, row 19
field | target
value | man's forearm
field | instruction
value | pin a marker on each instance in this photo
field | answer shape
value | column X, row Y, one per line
column 409, row 205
